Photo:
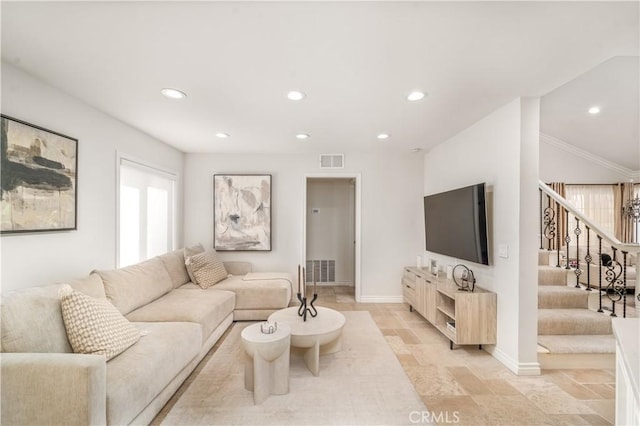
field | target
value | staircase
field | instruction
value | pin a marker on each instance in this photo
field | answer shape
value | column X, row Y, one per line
column 570, row 335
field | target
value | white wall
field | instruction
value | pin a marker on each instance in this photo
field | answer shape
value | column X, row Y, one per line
column 501, row 150
column 331, row 224
column 559, row 165
column 45, row 258
column 391, row 211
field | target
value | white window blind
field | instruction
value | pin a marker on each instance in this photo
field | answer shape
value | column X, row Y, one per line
column 146, row 212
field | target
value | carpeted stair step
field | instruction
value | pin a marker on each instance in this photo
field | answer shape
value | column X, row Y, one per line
column 579, row 344
column 551, row 275
column 572, row 321
column 547, row 257
column 562, row 297
column 543, row 257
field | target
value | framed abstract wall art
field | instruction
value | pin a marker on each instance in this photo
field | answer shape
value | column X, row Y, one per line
column 38, row 175
column 242, row 212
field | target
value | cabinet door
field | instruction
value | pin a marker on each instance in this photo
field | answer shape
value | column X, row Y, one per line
column 420, row 295
column 430, row 302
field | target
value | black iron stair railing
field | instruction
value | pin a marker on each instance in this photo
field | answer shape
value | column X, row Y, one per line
column 553, row 208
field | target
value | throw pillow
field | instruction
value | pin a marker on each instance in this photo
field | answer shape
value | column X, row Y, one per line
column 95, row 326
column 207, row 268
column 188, row 252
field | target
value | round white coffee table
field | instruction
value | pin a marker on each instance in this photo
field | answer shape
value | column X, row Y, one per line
column 266, row 370
column 318, row 336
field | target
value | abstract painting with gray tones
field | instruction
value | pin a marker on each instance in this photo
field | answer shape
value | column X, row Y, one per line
column 242, row 212
column 38, row 178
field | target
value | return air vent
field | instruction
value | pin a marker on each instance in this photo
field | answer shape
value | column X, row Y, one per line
column 332, row 161
column 325, row 271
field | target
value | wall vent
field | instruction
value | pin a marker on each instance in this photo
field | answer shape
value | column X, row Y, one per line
column 332, row 161
column 325, row 271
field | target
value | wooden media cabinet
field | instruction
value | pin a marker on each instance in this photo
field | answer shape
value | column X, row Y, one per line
column 465, row 318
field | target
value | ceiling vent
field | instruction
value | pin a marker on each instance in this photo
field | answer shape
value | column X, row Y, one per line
column 332, row 161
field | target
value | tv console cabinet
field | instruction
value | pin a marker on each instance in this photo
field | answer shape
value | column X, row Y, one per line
column 465, row 318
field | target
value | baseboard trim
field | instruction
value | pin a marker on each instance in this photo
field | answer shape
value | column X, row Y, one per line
column 380, row 299
column 518, row 368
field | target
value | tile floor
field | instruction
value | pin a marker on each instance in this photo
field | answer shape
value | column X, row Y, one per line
column 469, row 385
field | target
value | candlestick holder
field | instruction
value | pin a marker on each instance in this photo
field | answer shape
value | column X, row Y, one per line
column 305, row 304
column 307, row 307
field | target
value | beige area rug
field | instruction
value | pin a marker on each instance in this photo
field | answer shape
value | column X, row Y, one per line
column 364, row 384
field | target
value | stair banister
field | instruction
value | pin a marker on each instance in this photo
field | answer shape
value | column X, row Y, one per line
column 628, row 247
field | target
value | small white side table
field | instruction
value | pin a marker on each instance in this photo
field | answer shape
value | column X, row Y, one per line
column 266, row 370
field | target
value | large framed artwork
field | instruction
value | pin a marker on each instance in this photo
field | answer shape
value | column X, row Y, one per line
column 242, row 212
column 38, row 173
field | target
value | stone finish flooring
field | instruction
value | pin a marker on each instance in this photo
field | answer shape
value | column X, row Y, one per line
column 467, row 386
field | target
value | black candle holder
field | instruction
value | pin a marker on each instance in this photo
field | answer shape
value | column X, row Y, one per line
column 304, row 307
column 305, row 304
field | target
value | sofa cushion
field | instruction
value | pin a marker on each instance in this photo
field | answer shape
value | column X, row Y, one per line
column 31, row 320
column 254, row 294
column 137, row 375
column 91, row 286
column 205, row 307
column 136, row 285
column 174, row 264
column 95, row 326
column 206, row 268
column 188, row 252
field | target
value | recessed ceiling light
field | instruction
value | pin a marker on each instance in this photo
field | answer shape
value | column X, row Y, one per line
column 594, row 110
column 173, row 93
column 415, row 96
column 302, row 136
column 296, row 95
column 416, row 150
column 383, row 136
column 222, row 135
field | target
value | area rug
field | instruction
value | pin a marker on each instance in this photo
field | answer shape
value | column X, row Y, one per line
column 364, row 384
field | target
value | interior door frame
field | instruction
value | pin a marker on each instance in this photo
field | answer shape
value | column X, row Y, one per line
column 358, row 220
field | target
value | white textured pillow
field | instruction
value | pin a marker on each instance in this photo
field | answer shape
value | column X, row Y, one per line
column 95, row 326
column 188, row 252
column 207, row 268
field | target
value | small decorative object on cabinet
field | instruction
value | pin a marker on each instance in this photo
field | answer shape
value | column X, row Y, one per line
column 464, row 317
column 464, row 278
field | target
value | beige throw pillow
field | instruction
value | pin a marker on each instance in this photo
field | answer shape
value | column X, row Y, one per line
column 95, row 326
column 188, row 252
column 207, row 268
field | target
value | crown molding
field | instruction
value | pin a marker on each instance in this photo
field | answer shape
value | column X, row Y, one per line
column 579, row 152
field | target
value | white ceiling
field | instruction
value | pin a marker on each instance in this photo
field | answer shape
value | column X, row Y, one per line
column 355, row 61
column 611, row 134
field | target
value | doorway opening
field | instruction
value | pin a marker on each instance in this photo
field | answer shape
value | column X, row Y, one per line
column 332, row 233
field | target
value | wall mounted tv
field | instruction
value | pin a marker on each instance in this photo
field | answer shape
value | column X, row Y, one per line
column 455, row 223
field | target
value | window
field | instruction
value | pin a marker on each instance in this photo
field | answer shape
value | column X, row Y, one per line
column 146, row 212
column 595, row 202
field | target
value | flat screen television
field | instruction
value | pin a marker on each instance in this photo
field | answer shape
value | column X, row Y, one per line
column 455, row 223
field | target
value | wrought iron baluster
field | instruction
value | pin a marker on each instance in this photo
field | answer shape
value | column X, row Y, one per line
column 577, row 271
column 588, row 258
column 549, row 224
column 599, row 273
column 614, row 287
column 558, row 234
column 567, row 239
column 624, row 284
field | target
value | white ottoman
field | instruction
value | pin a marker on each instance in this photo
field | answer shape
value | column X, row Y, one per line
column 266, row 370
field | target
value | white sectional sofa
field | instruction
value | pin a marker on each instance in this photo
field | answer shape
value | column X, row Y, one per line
column 44, row 382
